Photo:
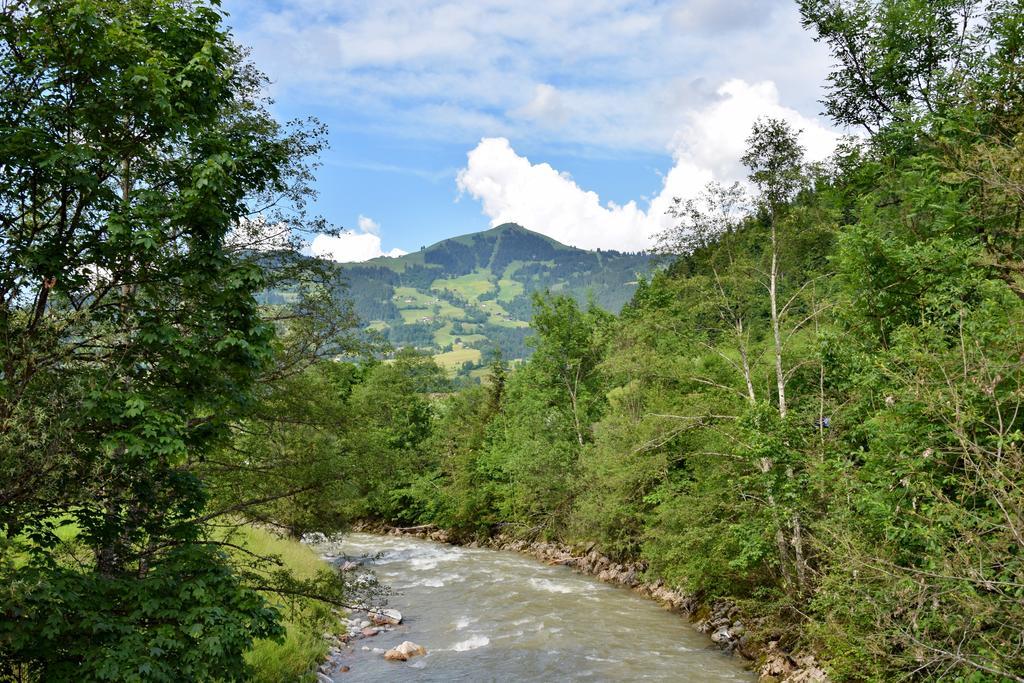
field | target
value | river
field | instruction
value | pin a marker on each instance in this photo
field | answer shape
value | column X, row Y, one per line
column 488, row 615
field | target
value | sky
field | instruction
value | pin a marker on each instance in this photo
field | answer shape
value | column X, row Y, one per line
column 578, row 119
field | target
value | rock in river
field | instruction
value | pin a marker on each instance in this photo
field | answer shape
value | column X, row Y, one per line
column 386, row 617
column 406, row 650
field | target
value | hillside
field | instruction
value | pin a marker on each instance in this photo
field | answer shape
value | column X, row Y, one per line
column 465, row 296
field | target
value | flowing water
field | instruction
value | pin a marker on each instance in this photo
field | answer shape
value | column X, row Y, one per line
column 488, row 615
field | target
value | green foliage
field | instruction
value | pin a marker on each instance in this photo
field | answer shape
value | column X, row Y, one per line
column 188, row 618
column 136, row 147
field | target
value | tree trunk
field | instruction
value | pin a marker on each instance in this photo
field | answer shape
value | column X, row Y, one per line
column 773, row 284
column 742, row 343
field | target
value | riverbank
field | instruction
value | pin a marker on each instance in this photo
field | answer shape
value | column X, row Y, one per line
column 307, row 624
column 722, row 621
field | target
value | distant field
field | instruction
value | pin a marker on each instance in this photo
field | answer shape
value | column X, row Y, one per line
column 454, row 359
column 407, row 298
column 509, row 289
column 414, row 315
column 497, row 315
column 445, row 336
column 469, row 286
column 418, row 298
column 397, row 264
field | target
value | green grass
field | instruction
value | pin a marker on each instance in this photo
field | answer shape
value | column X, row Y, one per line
column 418, row 299
column 298, row 557
column 468, row 286
column 468, row 338
column 410, row 299
column 396, row 264
column 443, row 336
column 414, row 315
column 497, row 315
column 454, row 359
column 509, row 289
column 296, row 658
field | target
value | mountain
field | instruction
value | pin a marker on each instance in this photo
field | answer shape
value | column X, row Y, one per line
column 464, row 296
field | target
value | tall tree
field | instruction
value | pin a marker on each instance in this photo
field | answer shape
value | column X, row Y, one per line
column 776, row 162
column 133, row 143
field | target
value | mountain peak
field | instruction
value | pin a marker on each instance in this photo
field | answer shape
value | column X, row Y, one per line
column 463, row 296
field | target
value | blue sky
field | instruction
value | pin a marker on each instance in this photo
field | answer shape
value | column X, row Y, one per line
column 578, row 119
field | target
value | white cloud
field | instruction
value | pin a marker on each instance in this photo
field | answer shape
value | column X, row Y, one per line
column 545, row 106
column 353, row 247
column 707, row 146
column 369, row 225
column 571, row 71
column 715, row 136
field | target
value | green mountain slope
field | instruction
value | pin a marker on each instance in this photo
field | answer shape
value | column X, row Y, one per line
column 464, row 296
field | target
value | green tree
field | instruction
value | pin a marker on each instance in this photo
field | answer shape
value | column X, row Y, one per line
column 134, row 146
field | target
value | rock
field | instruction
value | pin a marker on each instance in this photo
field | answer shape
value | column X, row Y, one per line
column 776, row 664
column 386, row 617
column 364, row 623
column 722, row 635
column 411, row 649
column 323, row 678
column 344, row 669
column 369, row 632
column 405, row 651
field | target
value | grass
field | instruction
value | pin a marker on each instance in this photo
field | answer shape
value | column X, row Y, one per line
column 413, row 315
column 497, row 315
column 454, row 359
column 296, row 658
column 468, row 286
column 418, row 298
column 509, row 289
column 410, row 299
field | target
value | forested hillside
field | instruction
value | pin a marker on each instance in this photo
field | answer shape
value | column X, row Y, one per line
column 464, row 297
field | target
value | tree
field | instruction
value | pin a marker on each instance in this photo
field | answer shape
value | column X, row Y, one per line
column 134, row 144
column 897, row 59
column 706, row 232
column 775, row 159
